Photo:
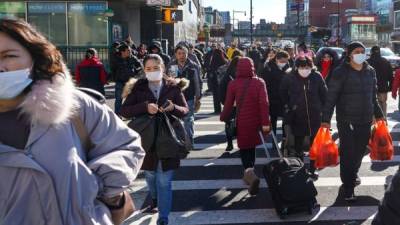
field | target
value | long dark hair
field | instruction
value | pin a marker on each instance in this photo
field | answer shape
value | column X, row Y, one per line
column 231, row 71
column 48, row 61
column 218, row 59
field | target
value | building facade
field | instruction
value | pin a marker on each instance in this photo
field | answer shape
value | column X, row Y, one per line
column 395, row 37
column 226, row 17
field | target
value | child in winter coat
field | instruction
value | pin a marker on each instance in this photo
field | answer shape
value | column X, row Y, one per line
column 303, row 94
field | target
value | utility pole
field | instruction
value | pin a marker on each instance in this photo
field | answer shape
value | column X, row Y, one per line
column 159, row 20
column 338, row 26
column 251, row 21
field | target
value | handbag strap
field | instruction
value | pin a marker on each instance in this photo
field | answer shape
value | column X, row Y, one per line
column 246, row 87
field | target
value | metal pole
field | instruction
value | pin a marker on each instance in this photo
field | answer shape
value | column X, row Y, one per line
column 159, row 18
column 251, row 21
column 298, row 19
column 338, row 30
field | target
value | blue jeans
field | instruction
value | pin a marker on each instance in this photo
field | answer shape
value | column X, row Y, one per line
column 160, row 187
column 119, row 86
column 188, row 121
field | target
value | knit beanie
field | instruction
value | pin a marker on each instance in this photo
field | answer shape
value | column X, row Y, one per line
column 353, row 45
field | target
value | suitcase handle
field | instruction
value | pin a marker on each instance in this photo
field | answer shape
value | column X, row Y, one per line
column 275, row 143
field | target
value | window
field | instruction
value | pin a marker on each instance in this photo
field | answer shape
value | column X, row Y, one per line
column 87, row 24
column 50, row 19
column 13, row 10
column 397, row 20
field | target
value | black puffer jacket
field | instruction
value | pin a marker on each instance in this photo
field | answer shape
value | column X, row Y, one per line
column 301, row 113
column 273, row 77
column 384, row 72
column 127, row 68
column 354, row 95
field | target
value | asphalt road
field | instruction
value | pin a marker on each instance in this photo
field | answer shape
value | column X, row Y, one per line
column 208, row 189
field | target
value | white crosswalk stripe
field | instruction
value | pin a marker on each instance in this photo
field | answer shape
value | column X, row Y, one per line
column 208, row 188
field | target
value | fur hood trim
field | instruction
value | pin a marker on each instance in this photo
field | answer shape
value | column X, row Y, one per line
column 182, row 83
column 51, row 102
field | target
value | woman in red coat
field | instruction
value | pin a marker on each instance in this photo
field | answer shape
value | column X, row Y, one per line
column 250, row 95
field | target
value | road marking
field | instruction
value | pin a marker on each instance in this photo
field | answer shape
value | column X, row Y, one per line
column 182, row 185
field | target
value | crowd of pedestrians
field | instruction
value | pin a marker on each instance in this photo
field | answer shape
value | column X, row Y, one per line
column 85, row 157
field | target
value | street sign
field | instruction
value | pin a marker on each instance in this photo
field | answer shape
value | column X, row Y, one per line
column 158, row 2
column 172, row 15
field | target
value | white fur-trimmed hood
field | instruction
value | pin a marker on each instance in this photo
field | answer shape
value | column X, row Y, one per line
column 51, row 102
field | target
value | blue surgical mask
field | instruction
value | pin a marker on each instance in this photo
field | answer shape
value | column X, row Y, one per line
column 14, row 83
column 359, row 58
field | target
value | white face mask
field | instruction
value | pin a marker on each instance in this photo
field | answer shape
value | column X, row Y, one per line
column 14, row 83
column 304, row 72
column 154, row 76
column 359, row 58
column 281, row 65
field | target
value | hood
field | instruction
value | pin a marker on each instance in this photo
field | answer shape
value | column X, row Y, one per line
column 245, row 68
column 51, row 102
column 182, row 83
column 329, row 51
column 157, row 46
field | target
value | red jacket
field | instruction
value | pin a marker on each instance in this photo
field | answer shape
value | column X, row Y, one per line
column 396, row 84
column 93, row 62
column 253, row 110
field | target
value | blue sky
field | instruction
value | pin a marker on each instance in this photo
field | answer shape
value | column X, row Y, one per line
column 271, row 10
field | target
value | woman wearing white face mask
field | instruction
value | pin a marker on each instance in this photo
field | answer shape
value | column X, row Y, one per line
column 147, row 97
column 41, row 148
column 273, row 75
column 352, row 90
column 303, row 93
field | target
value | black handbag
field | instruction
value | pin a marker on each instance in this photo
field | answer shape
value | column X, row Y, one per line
column 145, row 126
column 231, row 125
column 172, row 140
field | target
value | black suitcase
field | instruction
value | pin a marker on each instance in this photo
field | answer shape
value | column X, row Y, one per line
column 290, row 186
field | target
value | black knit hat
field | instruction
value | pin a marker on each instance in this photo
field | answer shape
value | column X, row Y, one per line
column 353, row 45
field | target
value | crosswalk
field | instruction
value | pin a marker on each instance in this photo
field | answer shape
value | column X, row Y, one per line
column 208, row 189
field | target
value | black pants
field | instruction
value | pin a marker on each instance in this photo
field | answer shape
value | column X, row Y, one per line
column 229, row 139
column 215, row 92
column 299, row 148
column 248, row 157
column 353, row 145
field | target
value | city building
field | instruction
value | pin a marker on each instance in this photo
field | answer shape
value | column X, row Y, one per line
column 361, row 28
column 76, row 25
column 226, row 17
column 244, row 25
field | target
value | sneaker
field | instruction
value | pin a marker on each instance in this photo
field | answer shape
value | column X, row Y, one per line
column 357, row 182
column 152, row 208
column 229, row 148
column 349, row 195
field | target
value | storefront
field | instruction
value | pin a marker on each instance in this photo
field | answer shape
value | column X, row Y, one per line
column 72, row 26
column 64, row 23
column 362, row 28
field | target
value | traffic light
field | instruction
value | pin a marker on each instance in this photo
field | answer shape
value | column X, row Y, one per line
column 172, row 15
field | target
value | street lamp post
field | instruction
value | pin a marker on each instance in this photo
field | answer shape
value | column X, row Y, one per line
column 233, row 22
column 338, row 26
column 251, row 21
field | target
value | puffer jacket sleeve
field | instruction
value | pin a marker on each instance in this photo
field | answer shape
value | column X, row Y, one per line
column 263, row 104
column 335, row 88
column 323, row 90
column 377, row 109
column 117, row 155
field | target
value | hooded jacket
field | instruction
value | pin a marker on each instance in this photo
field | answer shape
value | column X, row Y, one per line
column 354, row 95
column 252, row 112
column 136, row 103
column 384, row 72
column 334, row 62
column 54, row 180
column 164, row 56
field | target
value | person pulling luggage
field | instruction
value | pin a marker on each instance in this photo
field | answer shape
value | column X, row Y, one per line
column 303, row 94
column 250, row 94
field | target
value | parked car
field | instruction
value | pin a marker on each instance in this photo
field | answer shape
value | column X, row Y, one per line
column 388, row 54
column 339, row 51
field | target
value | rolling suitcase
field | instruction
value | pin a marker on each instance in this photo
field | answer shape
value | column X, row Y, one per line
column 290, row 186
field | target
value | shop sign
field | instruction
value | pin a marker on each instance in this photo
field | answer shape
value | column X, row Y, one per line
column 158, row 2
column 89, row 8
column 46, row 7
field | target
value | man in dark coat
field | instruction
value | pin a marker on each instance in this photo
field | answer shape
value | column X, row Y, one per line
column 384, row 75
column 156, row 48
column 352, row 90
column 127, row 66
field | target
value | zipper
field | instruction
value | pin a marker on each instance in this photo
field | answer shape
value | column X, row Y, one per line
column 307, row 109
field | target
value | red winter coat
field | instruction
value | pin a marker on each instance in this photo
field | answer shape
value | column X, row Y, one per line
column 396, row 84
column 254, row 108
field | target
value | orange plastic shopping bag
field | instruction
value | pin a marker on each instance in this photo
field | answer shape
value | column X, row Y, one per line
column 324, row 150
column 381, row 142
